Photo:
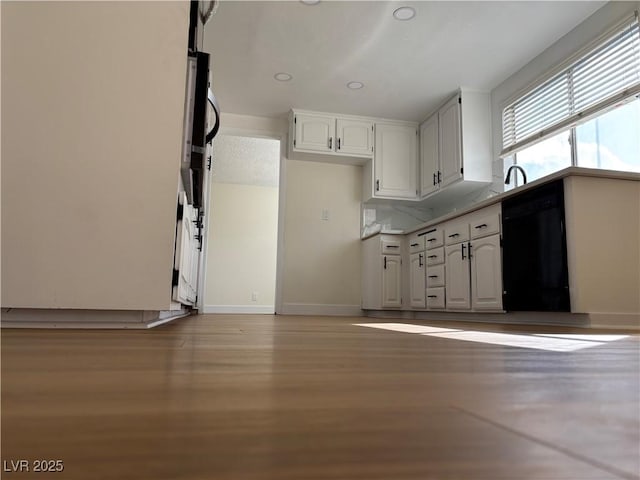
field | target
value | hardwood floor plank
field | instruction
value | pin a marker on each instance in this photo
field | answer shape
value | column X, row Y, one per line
column 241, row 397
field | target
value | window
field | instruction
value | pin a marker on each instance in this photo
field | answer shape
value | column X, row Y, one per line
column 611, row 141
column 586, row 114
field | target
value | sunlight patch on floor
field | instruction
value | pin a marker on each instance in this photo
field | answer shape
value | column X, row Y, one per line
column 565, row 342
column 406, row 327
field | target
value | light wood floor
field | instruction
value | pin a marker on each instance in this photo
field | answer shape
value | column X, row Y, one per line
column 294, row 398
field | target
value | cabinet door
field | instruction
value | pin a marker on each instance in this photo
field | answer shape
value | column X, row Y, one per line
column 486, row 273
column 395, row 161
column 429, row 156
column 450, row 142
column 186, row 255
column 314, row 132
column 417, row 280
column 457, row 277
column 391, row 287
column 354, row 137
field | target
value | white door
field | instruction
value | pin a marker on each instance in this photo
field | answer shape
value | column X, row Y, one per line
column 395, row 161
column 486, row 273
column 417, row 280
column 450, row 142
column 429, row 156
column 354, row 137
column 314, row 132
column 391, row 286
column 457, row 277
column 187, row 255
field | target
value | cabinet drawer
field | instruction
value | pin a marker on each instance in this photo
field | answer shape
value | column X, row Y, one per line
column 390, row 246
column 456, row 233
column 435, row 276
column 434, row 238
column 485, row 226
column 435, row 256
column 416, row 243
column 435, row 298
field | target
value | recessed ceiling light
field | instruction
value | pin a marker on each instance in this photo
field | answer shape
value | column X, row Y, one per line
column 310, row 2
column 355, row 85
column 282, row 77
column 404, row 13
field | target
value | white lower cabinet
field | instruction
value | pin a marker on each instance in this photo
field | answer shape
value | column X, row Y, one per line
column 486, row 273
column 474, row 261
column 382, row 272
column 453, row 266
column 417, row 280
column 391, row 281
column 458, row 286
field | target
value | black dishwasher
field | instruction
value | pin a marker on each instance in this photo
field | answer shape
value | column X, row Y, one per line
column 534, row 251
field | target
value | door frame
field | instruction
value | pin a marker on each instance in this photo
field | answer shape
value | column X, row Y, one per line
column 251, row 133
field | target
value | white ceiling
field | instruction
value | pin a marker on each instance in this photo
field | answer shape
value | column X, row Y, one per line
column 408, row 67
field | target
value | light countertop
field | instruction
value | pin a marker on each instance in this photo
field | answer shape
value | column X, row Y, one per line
column 567, row 172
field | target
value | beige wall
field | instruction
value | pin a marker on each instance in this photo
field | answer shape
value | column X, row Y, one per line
column 92, row 108
column 322, row 257
column 242, row 248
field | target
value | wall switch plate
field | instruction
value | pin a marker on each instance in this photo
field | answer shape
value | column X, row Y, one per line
column 325, row 214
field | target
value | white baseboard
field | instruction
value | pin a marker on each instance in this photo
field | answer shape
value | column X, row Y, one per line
column 321, row 309
column 615, row 320
column 255, row 309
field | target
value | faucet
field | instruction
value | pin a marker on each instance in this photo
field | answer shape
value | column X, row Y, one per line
column 517, row 167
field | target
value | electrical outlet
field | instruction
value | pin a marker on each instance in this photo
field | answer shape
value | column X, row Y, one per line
column 325, row 214
column 254, row 296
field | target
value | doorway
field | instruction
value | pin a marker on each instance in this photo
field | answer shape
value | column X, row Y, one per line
column 242, row 241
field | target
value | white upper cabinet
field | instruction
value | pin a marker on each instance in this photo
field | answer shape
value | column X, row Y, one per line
column 455, row 152
column 314, row 132
column 354, row 137
column 429, row 155
column 325, row 137
column 395, row 161
column 450, row 143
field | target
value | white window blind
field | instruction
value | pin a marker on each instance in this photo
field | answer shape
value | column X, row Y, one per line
column 607, row 74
